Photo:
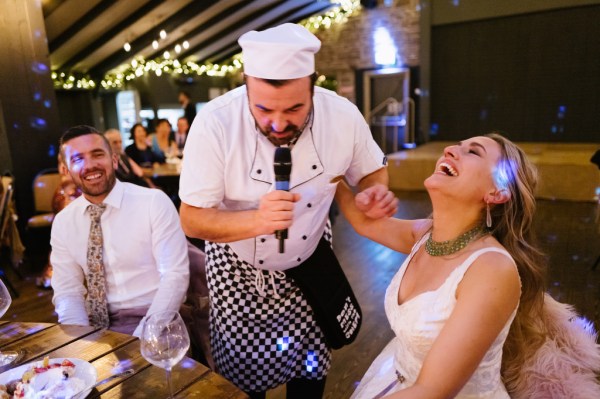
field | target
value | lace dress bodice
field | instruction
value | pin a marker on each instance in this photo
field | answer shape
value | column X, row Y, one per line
column 416, row 323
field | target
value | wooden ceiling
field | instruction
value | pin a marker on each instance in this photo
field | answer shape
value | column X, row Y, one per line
column 89, row 36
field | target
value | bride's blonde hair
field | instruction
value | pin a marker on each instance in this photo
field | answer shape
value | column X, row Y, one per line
column 512, row 227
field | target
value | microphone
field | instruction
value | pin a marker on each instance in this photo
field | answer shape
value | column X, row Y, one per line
column 283, row 168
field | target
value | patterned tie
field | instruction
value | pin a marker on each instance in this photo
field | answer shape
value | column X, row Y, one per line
column 96, row 304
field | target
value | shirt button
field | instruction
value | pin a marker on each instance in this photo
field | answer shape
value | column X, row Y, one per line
column 259, row 171
column 314, row 166
column 299, row 259
column 309, row 205
column 263, row 239
column 304, row 237
column 261, row 261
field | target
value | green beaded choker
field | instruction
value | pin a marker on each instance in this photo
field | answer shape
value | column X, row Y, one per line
column 449, row 247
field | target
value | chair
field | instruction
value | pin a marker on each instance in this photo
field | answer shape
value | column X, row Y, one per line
column 7, row 238
column 44, row 186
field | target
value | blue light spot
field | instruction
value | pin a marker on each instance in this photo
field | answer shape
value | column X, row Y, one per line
column 37, row 123
column 37, row 96
column 47, row 103
column 52, row 151
column 554, row 129
column 433, row 130
column 455, row 3
column 187, row 363
column 311, row 361
column 39, row 68
column 562, row 110
column 283, row 343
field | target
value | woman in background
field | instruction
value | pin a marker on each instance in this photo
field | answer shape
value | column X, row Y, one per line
column 140, row 151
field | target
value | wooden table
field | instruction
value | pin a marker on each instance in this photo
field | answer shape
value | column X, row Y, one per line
column 163, row 170
column 106, row 350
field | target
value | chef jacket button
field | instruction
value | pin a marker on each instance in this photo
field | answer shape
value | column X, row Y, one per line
column 314, row 166
column 261, row 261
column 304, row 237
column 299, row 260
column 263, row 240
column 259, row 171
column 309, row 205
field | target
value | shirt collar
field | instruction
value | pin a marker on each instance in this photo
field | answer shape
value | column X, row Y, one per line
column 113, row 199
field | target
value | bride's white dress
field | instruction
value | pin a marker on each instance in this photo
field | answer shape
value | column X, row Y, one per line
column 416, row 323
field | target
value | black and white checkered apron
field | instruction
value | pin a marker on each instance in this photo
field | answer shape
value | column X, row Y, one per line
column 259, row 342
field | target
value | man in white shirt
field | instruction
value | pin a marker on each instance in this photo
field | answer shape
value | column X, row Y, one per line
column 143, row 248
column 263, row 330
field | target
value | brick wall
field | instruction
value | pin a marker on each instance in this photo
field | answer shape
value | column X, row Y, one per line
column 349, row 46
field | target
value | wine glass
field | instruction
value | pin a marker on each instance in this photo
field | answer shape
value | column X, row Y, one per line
column 6, row 357
column 164, row 341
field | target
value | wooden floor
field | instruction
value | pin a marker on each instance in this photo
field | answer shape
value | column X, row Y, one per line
column 568, row 232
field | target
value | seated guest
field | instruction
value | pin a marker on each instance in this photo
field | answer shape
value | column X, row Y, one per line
column 140, row 151
column 468, row 306
column 118, row 251
column 181, row 134
column 162, row 140
column 128, row 171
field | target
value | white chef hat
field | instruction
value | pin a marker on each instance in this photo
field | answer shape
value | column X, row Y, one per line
column 284, row 52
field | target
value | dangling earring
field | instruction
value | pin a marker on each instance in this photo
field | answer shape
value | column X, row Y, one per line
column 488, row 218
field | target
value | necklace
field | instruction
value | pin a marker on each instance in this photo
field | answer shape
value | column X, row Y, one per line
column 443, row 248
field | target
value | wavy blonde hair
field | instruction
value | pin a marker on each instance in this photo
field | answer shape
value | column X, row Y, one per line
column 512, row 227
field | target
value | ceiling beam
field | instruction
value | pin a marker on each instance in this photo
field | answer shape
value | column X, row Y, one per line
column 169, row 24
column 114, row 31
column 80, row 23
column 306, row 12
column 204, row 26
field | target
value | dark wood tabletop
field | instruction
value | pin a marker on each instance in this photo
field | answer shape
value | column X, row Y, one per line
column 106, row 350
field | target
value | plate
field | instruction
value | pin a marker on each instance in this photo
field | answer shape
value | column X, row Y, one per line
column 83, row 370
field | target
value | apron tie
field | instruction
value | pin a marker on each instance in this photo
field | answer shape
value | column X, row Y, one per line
column 260, row 283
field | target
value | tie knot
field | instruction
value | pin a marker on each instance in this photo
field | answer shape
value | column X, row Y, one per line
column 96, row 210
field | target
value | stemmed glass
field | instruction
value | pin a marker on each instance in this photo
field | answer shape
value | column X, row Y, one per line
column 164, row 341
column 5, row 301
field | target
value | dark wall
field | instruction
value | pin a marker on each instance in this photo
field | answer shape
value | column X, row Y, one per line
column 28, row 107
column 535, row 76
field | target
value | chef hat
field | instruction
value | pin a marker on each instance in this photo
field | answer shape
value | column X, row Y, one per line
column 284, row 52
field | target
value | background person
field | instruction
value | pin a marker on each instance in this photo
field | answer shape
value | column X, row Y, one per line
column 118, row 251
column 140, row 151
column 128, row 170
column 189, row 108
column 263, row 332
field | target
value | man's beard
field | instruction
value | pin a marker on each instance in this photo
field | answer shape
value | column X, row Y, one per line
column 292, row 129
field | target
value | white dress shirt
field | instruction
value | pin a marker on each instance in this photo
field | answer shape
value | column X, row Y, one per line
column 229, row 165
column 145, row 254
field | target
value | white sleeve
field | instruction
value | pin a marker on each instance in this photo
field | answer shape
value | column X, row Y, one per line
column 367, row 155
column 169, row 248
column 203, row 168
column 67, row 280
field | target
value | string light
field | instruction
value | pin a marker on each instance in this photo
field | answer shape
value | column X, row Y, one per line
column 127, row 47
column 140, row 67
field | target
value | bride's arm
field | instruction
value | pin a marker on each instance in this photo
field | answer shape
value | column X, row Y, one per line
column 396, row 234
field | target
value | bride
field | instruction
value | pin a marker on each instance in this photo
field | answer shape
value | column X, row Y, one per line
column 471, row 273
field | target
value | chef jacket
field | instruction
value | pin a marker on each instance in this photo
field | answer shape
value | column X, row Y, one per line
column 229, row 165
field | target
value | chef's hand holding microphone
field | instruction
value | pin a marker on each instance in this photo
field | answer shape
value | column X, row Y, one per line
column 276, row 207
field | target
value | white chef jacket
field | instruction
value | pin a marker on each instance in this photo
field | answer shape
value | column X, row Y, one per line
column 144, row 252
column 229, row 164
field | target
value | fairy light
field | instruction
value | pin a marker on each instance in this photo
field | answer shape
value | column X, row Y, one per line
column 139, row 67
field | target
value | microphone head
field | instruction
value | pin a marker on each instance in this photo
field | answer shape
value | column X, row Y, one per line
column 283, row 161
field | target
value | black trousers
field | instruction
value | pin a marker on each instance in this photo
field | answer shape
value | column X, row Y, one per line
column 298, row 388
